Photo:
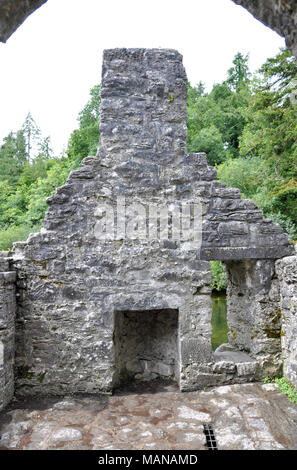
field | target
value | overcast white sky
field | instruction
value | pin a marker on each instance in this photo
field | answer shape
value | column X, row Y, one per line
column 50, row 63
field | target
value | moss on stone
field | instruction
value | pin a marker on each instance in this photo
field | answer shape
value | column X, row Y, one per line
column 40, row 376
column 59, row 284
column 24, row 372
column 272, row 333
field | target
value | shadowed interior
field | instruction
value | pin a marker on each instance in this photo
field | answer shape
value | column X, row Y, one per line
column 146, row 345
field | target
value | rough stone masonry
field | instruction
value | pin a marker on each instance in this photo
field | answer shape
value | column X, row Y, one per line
column 93, row 308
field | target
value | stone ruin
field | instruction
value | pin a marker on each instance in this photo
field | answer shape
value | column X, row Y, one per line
column 84, row 309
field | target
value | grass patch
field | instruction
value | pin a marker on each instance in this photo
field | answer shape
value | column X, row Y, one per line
column 285, row 387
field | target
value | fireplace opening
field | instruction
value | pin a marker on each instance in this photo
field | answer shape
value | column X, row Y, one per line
column 146, row 346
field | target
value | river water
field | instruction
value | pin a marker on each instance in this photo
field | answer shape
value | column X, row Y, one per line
column 219, row 320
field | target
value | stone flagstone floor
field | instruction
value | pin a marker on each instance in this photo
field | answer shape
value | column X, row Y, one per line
column 154, row 417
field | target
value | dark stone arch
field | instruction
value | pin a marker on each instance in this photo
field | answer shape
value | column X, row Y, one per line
column 13, row 14
column 281, row 16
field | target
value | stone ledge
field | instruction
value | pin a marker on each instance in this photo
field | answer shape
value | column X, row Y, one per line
column 232, row 356
column 239, row 253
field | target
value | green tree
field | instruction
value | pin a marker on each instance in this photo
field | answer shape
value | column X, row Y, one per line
column 84, row 141
column 12, row 157
column 44, row 148
column 56, row 175
column 194, row 93
column 271, row 129
column 90, row 114
column 216, row 120
column 209, row 140
column 31, row 133
column 239, row 74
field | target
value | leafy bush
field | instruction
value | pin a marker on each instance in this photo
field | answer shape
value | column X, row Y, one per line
column 210, row 141
column 287, row 388
column 246, row 174
column 14, row 234
column 254, row 178
column 219, row 280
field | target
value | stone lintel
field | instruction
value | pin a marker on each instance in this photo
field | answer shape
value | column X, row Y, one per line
column 240, row 253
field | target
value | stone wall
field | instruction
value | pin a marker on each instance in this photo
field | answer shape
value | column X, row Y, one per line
column 253, row 313
column 73, row 280
column 7, row 329
column 286, row 269
column 234, row 228
column 77, row 282
column 71, row 283
column 279, row 15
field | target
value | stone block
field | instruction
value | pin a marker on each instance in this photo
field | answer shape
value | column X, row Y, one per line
column 247, row 368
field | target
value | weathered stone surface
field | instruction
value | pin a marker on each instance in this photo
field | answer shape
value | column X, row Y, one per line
column 87, row 298
column 234, row 230
column 254, row 315
column 66, row 434
column 188, row 413
column 147, row 416
column 232, row 361
column 230, row 354
column 286, row 270
column 13, row 14
column 7, row 330
column 75, row 285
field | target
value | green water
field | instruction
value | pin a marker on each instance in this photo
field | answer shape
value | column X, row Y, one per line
column 219, row 320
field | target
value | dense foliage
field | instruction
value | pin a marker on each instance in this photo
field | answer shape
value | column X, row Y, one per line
column 247, row 125
column 29, row 173
column 219, row 280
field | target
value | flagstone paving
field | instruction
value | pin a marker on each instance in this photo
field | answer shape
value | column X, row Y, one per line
column 154, row 417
